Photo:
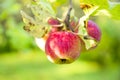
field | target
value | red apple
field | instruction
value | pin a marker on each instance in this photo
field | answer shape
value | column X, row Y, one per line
column 63, row 47
column 53, row 22
column 93, row 30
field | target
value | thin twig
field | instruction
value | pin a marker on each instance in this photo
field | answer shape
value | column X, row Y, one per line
column 67, row 19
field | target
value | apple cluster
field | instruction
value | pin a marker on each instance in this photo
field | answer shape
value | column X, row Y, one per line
column 63, row 46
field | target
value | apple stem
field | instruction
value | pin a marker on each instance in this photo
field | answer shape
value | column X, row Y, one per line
column 67, row 19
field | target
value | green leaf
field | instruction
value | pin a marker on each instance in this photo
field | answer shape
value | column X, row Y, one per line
column 90, row 43
column 57, row 3
column 32, row 27
column 101, row 3
column 88, row 9
column 112, row 12
column 115, row 11
column 106, row 8
column 38, row 26
column 92, row 7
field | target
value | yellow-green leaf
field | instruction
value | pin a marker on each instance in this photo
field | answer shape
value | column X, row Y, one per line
column 38, row 26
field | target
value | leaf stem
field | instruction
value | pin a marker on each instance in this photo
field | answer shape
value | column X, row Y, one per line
column 67, row 19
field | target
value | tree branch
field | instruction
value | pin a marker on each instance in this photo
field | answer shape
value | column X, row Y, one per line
column 67, row 19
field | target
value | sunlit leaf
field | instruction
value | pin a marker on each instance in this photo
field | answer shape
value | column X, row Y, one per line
column 115, row 11
column 103, row 12
column 57, row 3
column 38, row 26
column 106, row 8
column 88, row 8
column 90, row 44
column 100, row 3
column 32, row 27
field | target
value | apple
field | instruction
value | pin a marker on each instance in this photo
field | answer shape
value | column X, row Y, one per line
column 93, row 30
column 53, row 22
column 63, row 47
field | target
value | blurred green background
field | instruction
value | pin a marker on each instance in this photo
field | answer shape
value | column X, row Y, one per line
column 21, row 59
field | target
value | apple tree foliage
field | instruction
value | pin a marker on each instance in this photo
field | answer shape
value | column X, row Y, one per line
column 42, row 10
column 37, row 24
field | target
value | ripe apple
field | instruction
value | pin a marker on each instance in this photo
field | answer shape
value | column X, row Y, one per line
column 63, row 47
column 93, row 30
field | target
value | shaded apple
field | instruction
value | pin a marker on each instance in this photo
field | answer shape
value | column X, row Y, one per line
column 63, row 47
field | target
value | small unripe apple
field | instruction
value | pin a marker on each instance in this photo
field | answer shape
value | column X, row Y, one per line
column 93, row 30
column 63, row 47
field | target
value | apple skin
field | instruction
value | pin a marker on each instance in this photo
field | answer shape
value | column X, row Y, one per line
column 93, row 30
column 42, row 41
column 63, row 47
